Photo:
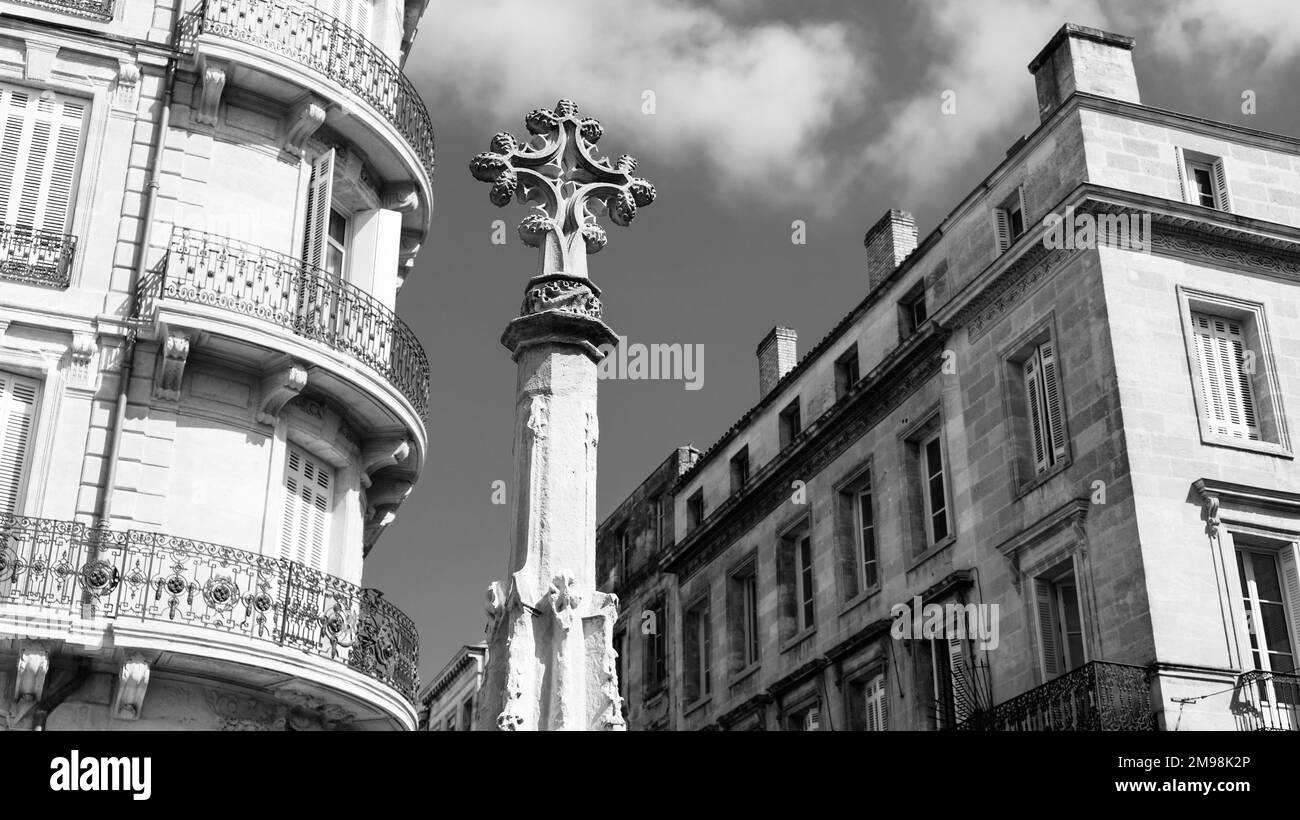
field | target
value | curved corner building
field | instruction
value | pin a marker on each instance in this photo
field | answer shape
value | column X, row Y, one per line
column 209, row 410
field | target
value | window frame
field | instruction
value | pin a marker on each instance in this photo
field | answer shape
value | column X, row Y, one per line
column 739, row 470
column 847, row 371
column 1269, row 401
column 654, row 672
column 744, row 636
column 1003, row 217
column 697, row 645
column 1055, row 660
column 1188, row 162
column 695, row 510
column 936, row 437
column 790, row 423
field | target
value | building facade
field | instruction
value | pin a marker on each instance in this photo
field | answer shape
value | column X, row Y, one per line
column 448, row 703
column 210, row 408
column 1068, row 436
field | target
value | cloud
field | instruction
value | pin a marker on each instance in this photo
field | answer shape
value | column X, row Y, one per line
column 747, row 102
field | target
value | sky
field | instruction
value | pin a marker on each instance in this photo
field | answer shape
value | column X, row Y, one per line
column 764, row 113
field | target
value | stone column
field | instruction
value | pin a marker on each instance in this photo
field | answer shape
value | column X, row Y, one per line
column 551, row 661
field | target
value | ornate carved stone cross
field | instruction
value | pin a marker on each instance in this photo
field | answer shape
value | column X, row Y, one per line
column 551, row 661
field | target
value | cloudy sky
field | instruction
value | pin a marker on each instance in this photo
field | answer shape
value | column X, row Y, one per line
column 765, row 113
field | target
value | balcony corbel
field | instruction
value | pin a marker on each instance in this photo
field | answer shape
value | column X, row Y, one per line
column 170, row 370
column 303, row 119
column 381, row 453
column 33, row 667
column 402, row 197
column 278, row 387
column 212, row 82
column 132, row 684
column 383, row 498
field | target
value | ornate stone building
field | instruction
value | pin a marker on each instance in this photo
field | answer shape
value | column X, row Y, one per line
column 1075, row 429
column 448, row 703
column 209, row 409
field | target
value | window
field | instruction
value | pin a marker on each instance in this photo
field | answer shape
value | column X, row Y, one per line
column 1227, row 395
column 806, row 719
column 742, row 616
column 865, row 520
column 846, row 372
column 40, row 151
column 934, row 489
column 869, row 704
column 308, row 503
column 699, row 652
column 451, row 722
column 467, row 715
column 656, row 652
column 740, row 470
column 1009, row 220
column 1269, row 609
column 695, row 509
column 1043, row 411
column 749, row 618
column 336, row 244
column 1060, row 623
column 950, row 682
column 1203, row 179
column 804, row 578
column 320, row 213
column 790, row 423
column 912, row 311
column 661, row 513
column 624, row 552
column 17, row 417
column 796, row 581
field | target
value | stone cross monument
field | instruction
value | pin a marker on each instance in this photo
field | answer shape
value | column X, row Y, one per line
column 550, row 643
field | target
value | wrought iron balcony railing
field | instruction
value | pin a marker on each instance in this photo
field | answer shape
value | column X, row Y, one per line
column 332, row 49
column 95, row 9
column 1097, row 696
column 302, row 298
column 94, row 572
column 38, row 257
column 1267, row 701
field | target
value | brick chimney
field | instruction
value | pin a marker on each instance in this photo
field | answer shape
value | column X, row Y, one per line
column 888, row 243
column 777, row 354
column 1078, row 58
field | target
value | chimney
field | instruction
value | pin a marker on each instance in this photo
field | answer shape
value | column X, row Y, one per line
column 888, row 243
column 1085, row 59
column 776, row 357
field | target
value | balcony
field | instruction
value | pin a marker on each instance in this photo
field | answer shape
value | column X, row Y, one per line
column 120, row 577
column 291, row 295
column 329, row 49
column 93, row 9
column 36, row 257
column 1097, row 696
column 1267, row 701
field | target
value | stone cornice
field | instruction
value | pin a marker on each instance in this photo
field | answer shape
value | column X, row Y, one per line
column 874, row 397
column 1071, row 513
column 865, row 636
column 752, row 705
column 1242, row 495
column 798, row 676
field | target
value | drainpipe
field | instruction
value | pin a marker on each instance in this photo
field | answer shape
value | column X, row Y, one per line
column 105, row 505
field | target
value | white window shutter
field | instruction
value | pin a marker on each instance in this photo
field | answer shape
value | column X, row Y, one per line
column 1002, row 227
column 1226, row 389
column 1024, row 212
column 1033, row 407
column 39, row 153
column 1049, row 650
column 1289, row 561
column 963, row 699
column 320, row 195
column 876, row 708
column 1221, row 197
column 1184, row 185
column 813, row 720
column 308, row 493
column 1053, row 408
column 17, row 417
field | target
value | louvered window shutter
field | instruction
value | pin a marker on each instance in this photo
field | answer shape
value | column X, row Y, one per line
column 1052, row 405
column 1226, row 390
column 813, row 720
column 1034, row 408
column 1002, row 226
column 17, row 417
column 308, row 488
column 1048, row 644
column 1221, row 197
column 963, row 696
column 1024, row 212
column 320, row 195
column 875, row 709
column 1289, row 561
column 40, row 147
column 1184, row 184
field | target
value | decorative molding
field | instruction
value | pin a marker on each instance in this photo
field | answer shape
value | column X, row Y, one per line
column 578, row 297
column 380, row 453
column 1070, row 514
column 33, row 666
column 409, row 249
column 39, row 63
column 132, row 684
column 403, row 197
column 212, row 82
column 126, row 90
column 301, row 122
column 382, row 500
column 278, row 387
column 172, row 356
column 1215, row 493
column 80, row 354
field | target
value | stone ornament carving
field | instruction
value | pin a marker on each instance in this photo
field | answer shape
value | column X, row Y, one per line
column 560, row 172
column 126, row 93
column 132, row 684
column 278, row 388
column 301, row 122
column 80, row 354
column 173, row 354
column 33, row 666
column 212, row 82
column 381, row 453
column 538, row 417
column 402, row 197
column 576, row 296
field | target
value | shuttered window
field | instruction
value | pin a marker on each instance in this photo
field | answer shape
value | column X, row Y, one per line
column 1044, row 407
column 320, row 194
column 875, row 705
column 357, row 15
column 1060, row 625
column 17, row 418
column 1227, row 395
column 1203, row 180
column 1009, row 220
column 807, row 610
column 308, row 503
column 40, row 150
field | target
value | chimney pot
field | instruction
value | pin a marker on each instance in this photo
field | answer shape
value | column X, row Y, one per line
column 777, row 354
column 888, row 243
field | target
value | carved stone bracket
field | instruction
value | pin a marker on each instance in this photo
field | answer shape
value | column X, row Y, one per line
column 301, row 122
column 409, row 249
column 401, row 196
column 126, row 92
column 80, row 354
column 278, row 387
column 33, row 666
column 381, row 453
column 382, row 500
column 172, row 356
column 212, row 82
column 132, row 684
